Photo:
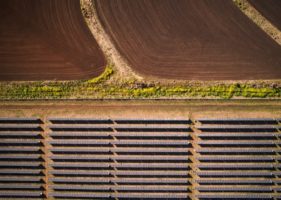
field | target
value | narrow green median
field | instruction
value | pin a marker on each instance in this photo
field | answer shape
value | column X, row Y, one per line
column 103, row 87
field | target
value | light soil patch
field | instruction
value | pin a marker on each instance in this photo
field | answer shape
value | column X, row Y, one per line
column 170, row 109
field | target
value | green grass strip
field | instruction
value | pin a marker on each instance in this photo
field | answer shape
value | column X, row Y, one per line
column 101, row 87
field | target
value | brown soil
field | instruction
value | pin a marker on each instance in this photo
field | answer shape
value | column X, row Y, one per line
column 271, row 9
column 46, row 40
column 190, row 40
column 143, row 109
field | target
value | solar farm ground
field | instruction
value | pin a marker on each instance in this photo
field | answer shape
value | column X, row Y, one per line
column 46, row 40
column 142, row 109
column 135, row 150
column 203, row 40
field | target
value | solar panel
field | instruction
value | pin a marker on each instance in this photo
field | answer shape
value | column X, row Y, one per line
column 80, row 149
column 19, row 164
column 20, row 186
column 20, row 141
column 78, row 195
column 21, row 161
column 152, row 195
column 234, row 174
column 154, row 129
column 121, row 158
column 81, row 187
column 21, row 179
column 235, row 166
column 151, row 134
column 19, row 149
column 151, row 165
column 79, row 121
column 152, row 121
column 234, row 189
column 79, row 134
column 19, row 133
column 20, row 171
column 20, row 127
column 21, row 194
column 151, row 180
column 238, row 128
column 152, row 159
column 234, row 196
column 80, row 157
column 79, row 142
column 22, row 156
column 150, row 142
column 151, row 173
column 80, row 128
column 79, row 165
column 150, row 149
column 235, row 181
column 236, row 142
column 162, row 188
column 236, row 158
column 79, row 180
column 236, row 150
column 22, row 120
column 233, row 134
column 80, row 172
column 238, row 121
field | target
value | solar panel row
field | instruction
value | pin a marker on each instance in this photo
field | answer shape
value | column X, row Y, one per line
column 92, row 158
column 21, row 158
column 143, row 158
column 237, row 158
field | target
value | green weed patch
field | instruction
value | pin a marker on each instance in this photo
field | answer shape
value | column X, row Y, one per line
column 101, row 87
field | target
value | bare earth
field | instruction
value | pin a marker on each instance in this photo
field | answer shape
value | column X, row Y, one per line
column 271, row 9
column 190, row 40
column 46, row 40
column 143, row 109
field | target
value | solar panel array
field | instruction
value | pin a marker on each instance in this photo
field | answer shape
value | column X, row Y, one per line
column 21, row 161
column 120, row 159
column 61, row 158
column 237, row 159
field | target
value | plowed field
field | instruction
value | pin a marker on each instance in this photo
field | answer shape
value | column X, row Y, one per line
column 46, row 39
column 271, row 9
column 187, row 39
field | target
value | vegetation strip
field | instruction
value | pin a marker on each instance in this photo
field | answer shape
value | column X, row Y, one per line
column 105, row 86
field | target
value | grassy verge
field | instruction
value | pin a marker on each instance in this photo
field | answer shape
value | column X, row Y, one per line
column 102, row 87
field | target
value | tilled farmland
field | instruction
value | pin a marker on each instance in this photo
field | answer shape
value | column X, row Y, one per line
column 271, row 9
column 182, row 39
column 90, row 158
column 185, row 39
column 46, row 40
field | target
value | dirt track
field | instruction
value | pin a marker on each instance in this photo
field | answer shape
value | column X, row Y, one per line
column 186, row 39
column 46, row 39
column 271, row 9
column 143, row 109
